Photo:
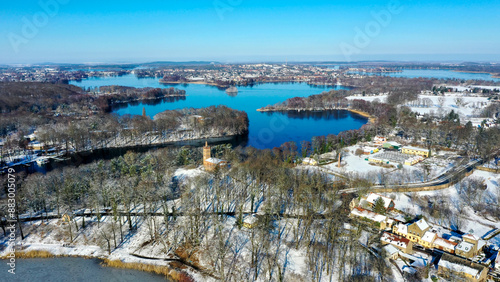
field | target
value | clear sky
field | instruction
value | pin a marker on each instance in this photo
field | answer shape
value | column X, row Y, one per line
column 74, row 31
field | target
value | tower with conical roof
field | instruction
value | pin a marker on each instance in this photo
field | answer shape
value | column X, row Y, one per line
column 206, row 152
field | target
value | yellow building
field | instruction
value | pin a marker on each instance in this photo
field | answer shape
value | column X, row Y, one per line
column 451, row 266
column 415, row 151
column 468, row 247
column 250, row 222
column 427, row 241
column 210, row 163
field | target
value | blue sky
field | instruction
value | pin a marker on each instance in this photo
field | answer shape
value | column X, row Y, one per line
column 247, row 30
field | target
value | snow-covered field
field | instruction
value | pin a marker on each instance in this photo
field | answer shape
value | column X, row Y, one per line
column 424, row 171
column 466, row 105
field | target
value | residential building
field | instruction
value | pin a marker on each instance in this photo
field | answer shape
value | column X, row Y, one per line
column 417, row 229
column 468, row 247
column 399, row 242
column 383, row 222
column 391, row 251
column 409, row 150
column 445, row 245
column 388, row 202
column 428, row 239
column 452, row 266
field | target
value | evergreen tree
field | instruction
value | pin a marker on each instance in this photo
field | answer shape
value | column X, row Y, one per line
column 379, row 206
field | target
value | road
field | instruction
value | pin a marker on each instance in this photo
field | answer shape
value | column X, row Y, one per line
column 450, row 177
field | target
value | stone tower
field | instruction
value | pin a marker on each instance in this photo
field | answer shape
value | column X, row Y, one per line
column 206, row 152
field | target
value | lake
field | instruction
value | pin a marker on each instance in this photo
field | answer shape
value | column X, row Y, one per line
column 73, row 269
column 267, row 130
column 442, row 74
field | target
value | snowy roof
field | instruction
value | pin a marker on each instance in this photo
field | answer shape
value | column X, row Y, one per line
column 429, row 237
column 415, row 148
column 214, row 160
column 470, row 237
column 308, row 160
column 456, row 266
column 372, row 198
column 465, row 247
column 422, row 224
column 395, row 240
column 402, row 228
column 250, row 219
column 368, row 214
column 390, row 250
column 392, row 143
column 445, row 243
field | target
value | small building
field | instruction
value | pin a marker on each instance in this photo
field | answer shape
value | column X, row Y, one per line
column 309, row 161
column 417, row 230
column 35, row 145
column 391, row 251
column 379, row 140
column 250, row 221
column 399, row 242
column 468, row 247
column 409, row 150
column 382, row 221
column 377, row 160
column 427, row 241
column 391, row 146
column 400, row 229
column 211, row 164
column 370, row 150
column 413, row 160
column 445, row 245
column 388, row 202
column 450, row 266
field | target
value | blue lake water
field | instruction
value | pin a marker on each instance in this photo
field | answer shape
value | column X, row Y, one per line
column 445, row 74
column 267, row 130
column 72, row 269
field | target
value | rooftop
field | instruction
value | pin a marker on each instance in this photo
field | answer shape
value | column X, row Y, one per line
column 372, row 198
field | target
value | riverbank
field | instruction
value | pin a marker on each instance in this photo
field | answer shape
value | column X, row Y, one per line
column 172, row 271
column 493, row 75
column 371, row 119
column 192, row 82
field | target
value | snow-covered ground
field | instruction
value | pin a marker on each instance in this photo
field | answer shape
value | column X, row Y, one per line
column 424, row 171
column 469, row 220
column 467, row 105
